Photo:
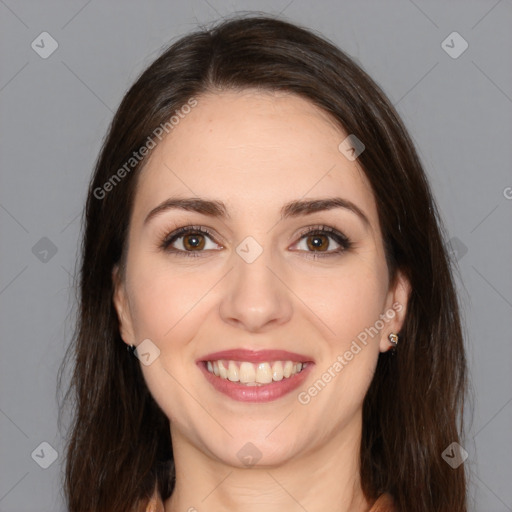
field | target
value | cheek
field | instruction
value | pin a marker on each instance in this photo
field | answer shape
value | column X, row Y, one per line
column 349, row 302
column 162, row 301
column 165, row 307
column 347, row 299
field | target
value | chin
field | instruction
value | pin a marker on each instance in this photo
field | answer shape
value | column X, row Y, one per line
column 254, row 447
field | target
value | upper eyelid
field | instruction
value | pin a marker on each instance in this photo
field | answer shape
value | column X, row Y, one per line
column 178, row 233
column 209, row 232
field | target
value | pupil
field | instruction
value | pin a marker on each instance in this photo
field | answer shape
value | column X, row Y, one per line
column 317, row 241
column 193, row 241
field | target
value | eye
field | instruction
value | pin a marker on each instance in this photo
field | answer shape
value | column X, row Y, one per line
column 188, row 241
column 317, row 240
column 192, row 241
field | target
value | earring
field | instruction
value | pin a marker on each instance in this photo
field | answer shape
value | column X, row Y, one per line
column 393, row 338
column 130, row 348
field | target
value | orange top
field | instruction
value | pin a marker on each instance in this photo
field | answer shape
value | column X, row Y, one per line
column 383, row 504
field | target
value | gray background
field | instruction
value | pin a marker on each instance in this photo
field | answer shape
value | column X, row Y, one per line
column 55, row 112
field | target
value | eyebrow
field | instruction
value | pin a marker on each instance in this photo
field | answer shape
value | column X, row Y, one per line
column 213, row 208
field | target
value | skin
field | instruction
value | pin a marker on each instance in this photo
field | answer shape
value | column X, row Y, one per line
column 256, row 151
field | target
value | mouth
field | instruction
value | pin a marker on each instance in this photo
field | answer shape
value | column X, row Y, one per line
column 255, row 376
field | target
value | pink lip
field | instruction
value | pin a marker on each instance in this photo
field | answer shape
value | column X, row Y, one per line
column 256, row 356
column 264, row 393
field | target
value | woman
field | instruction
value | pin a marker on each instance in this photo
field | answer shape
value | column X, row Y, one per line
column 268, row 318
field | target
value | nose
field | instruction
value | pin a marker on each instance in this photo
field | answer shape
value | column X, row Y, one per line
column 256, row 297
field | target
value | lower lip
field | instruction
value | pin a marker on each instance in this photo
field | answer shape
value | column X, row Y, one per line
column 264, row 393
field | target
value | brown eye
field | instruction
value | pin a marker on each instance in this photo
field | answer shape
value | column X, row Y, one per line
column 193, row 241
column 318, row 242
column 190, row 241
column 321, row 241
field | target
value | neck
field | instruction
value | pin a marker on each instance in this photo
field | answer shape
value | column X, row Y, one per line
column 326, row 478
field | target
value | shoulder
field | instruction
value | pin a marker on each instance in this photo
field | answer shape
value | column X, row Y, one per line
column 384, row 503
column 155, row 504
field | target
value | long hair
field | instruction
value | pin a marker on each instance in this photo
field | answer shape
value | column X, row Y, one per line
column 119, row 449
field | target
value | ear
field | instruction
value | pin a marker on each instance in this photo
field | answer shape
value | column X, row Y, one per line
column 396, row 309
column 122, row 307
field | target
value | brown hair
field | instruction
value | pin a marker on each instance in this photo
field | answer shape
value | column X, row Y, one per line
column 119, row 448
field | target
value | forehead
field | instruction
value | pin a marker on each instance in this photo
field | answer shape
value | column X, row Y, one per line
column 253, row 150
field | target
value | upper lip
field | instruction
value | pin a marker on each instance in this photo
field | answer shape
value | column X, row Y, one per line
column 256, row 356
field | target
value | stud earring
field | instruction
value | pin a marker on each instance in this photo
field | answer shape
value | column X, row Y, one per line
column 130, row 348
column 393, row 338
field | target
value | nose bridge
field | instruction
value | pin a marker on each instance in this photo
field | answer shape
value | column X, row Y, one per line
column 254, row 296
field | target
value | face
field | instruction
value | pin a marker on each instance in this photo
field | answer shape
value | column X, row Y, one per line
column 258, row 280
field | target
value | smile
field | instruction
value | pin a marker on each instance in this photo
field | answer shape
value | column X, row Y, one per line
column 254, row 374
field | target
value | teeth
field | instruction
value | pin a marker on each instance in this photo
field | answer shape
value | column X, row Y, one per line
column 233, row 373
column 223, row 371
column 277, row 371
column 254, row 374
column 264, row 373
column 247, row 373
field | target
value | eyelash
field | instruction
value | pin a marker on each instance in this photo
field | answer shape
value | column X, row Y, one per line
column 339, row 238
